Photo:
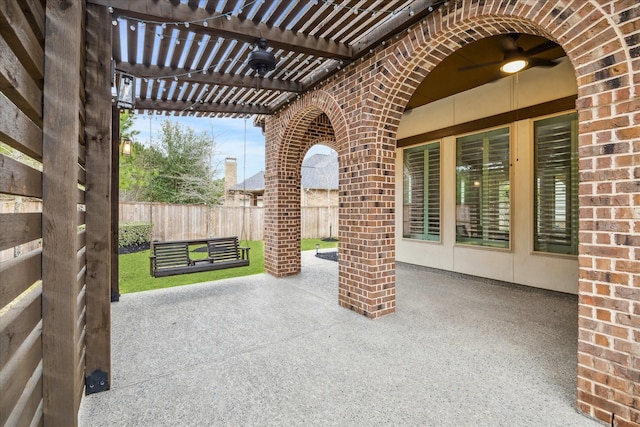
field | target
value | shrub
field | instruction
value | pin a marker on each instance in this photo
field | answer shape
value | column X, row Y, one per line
column 134, row 233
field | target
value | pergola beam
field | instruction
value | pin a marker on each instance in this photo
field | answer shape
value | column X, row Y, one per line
column 204, row 107
column 155, row 72
column 233, row 28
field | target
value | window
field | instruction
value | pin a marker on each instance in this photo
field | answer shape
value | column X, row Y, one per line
column 483, row 202
column 421, row 213
column 556, row 184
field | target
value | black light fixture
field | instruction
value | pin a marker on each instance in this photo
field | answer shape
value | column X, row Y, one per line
column 126, row 91
column 261, row 60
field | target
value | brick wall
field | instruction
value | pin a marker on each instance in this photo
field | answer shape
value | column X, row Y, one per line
column 364, row 104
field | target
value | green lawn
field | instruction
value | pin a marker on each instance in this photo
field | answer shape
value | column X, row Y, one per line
column 135, row 276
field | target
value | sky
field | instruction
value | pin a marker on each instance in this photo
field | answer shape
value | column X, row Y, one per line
column 228, row 135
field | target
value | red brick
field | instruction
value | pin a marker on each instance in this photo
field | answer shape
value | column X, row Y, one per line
column 603, row 315
column 602, row 340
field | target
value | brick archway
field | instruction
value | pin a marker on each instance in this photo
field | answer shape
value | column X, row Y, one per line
column 307, row 122
column 597, row 38
column 601, row 40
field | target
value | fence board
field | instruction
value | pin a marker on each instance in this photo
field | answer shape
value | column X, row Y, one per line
column 18, row 86
column 34, row 13
column 19, row 179
column 19, row 228
column 21, row 38
column 29, row 406
column 82, row 175
column 16, row 374
column 18, row 322
column 18, row 274
column 18, row 131
column 81, row 259
column 19, row 204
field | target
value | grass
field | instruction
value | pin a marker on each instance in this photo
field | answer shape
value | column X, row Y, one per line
column 135, row 276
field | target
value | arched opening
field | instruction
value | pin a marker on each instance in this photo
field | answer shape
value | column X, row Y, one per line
column 487, row 186
column 320, row 192
column 488, row 163
column 285, row 191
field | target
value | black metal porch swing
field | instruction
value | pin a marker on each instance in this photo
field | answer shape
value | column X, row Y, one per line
column 172, row 258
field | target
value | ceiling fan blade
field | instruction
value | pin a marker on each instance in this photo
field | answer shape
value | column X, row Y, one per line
column 541, row 48
column 508, row 43
column 538, row 62
column 476, row 66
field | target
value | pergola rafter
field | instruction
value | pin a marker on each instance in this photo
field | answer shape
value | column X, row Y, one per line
column 196, row 76
column 167, row 44
column 202, row 107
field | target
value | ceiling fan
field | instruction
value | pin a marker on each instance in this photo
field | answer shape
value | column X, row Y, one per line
column 515, row 58
column 261, row 60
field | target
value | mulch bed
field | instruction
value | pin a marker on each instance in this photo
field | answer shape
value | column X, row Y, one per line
column 331, row 256
column 133, row 248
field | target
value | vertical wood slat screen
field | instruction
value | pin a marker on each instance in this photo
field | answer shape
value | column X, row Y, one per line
column 483, row 189
column 21, row 65
column 556, row 185
column 421, row 192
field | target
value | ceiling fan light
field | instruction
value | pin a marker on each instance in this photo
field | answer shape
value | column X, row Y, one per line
column 513, row 66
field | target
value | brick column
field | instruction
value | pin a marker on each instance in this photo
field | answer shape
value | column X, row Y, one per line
column 366, row 229
column 282, row 206
column 609, row 287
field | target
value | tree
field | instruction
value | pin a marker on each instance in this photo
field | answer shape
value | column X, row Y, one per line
column 182, row 167
column 126, row 123
column 135, row 173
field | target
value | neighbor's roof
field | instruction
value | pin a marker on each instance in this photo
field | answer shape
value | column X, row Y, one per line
column 189, row 57
column 252, row 184
column 319, row 172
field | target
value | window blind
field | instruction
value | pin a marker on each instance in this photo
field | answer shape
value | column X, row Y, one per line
column 421, row 192
column 483, row 211
column 556, row 185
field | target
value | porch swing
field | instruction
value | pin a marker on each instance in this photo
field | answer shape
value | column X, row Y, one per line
column 172, row 258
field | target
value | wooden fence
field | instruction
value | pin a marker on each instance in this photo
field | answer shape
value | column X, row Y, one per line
column 180, row 222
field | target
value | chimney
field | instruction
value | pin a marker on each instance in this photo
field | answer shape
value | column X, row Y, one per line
column 230, row 173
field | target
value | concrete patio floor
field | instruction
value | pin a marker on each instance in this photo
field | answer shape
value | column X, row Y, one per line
column 260, row 351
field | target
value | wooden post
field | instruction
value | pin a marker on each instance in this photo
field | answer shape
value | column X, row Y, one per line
column 115, row 201
column 62, row 368
column 98, row 198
